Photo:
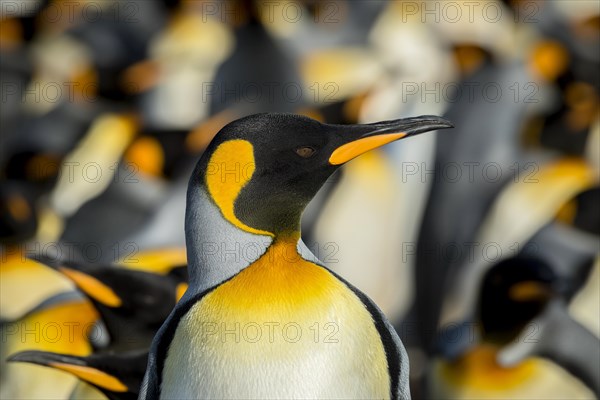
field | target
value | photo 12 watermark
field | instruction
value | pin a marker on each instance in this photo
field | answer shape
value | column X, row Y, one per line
column 72, row 11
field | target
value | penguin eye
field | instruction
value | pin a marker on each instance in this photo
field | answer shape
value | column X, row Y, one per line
column 305, row 152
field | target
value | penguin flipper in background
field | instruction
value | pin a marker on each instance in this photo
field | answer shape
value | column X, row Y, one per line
column 570, row 252
column 585, row 306
column 118, row 376
column 560, row 338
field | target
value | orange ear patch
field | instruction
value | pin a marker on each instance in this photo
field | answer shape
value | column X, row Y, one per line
column 529, row 290
column 230, row 168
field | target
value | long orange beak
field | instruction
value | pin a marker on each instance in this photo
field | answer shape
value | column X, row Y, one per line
column 371, row 136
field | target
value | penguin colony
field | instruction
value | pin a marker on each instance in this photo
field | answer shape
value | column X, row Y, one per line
column 209, row 209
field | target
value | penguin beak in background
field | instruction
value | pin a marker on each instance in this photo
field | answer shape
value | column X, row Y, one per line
column 92, row 286
column 370, row 136
column 72, row 364
column 42, row 358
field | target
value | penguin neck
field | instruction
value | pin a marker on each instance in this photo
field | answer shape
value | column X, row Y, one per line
column 287, row 240
column 216, row 248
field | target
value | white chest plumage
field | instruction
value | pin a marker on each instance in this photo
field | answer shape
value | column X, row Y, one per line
column 282, row 328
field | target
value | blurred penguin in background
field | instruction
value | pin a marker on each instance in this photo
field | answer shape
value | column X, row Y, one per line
column 513, row 294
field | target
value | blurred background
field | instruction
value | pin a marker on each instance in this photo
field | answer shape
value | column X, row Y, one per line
column 479, row 243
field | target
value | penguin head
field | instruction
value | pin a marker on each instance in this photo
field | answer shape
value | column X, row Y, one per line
column 513, row 293
column 117, row 375
column 132, row 304
column 262, row 170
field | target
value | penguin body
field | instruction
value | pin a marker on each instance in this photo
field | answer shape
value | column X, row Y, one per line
column 117, row 376
column 279, row 318
column 262, row 318
column 477, row 375
column 514, row 293
column 32, row 332
column 132, row 303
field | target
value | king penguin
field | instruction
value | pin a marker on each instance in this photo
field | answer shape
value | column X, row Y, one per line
column 262, row 317
column 116, row 375
column 516, row 297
